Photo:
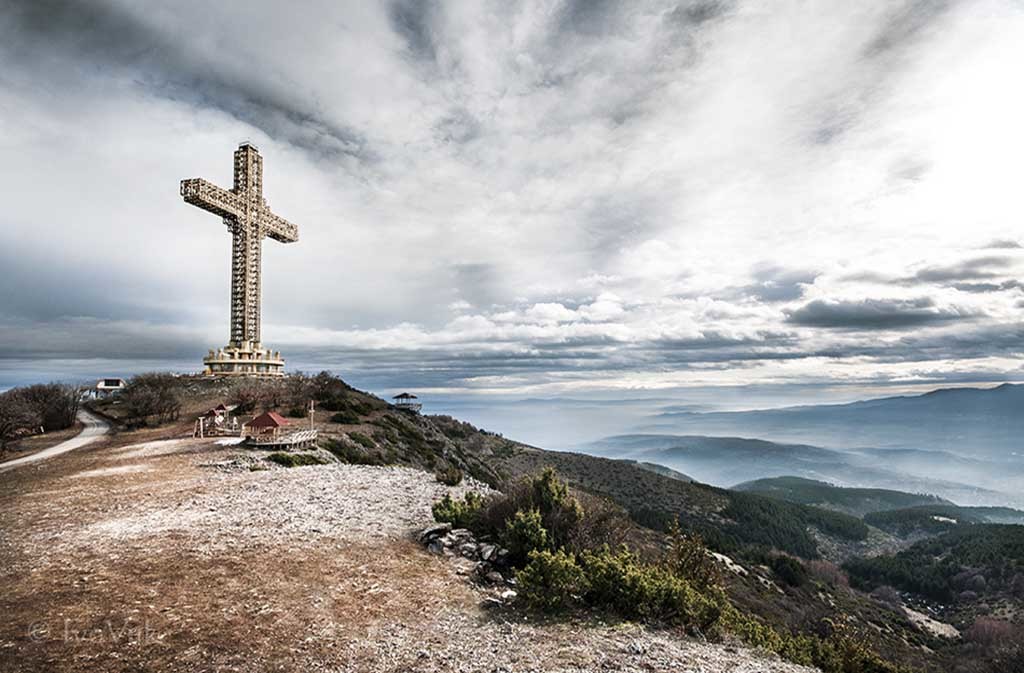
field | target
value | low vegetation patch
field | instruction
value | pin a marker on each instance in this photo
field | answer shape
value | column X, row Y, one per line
column 362, row 439
column 449, row 475
column 963, row 564
column 933, row 519
column 294, row 459
column 463, row 513
column 756, row 524
column 345, row 418
column 566, row 559
column 351, row 454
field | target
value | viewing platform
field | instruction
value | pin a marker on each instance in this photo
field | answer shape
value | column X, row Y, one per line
column 407, row 402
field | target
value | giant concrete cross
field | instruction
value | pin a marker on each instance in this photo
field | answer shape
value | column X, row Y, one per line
column 248, row 218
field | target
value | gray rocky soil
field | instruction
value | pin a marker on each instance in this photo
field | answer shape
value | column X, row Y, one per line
column 179, row 556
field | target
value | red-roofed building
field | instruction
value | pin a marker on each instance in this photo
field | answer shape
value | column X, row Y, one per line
column 265, row 425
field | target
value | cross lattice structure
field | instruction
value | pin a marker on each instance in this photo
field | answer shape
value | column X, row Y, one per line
column 249, row 219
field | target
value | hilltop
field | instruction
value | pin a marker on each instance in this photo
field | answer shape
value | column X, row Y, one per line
column 332, row 544
column 856, row 501
column 151, row 550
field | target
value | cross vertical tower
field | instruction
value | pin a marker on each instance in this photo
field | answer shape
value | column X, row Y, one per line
column 249, row 219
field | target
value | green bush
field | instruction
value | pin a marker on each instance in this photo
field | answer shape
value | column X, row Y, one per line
column 351, row 454
column 839, row 652
column 789, row 570
column 297, row 412
column 449, row 475
column 362, row 439
column 561, row 514
column 551, row 581
column 459, row 513
column 345, row 417
column 689, row 558
column 539, row 521
column 929, row 567
column 525, row 534
column 621, row 582
column 294, row 459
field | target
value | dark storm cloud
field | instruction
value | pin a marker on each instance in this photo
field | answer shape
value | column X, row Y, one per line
column 590, row 17
column 49, row 288
column 873, row 314
column 979, row 268
column 414, row 21
column 908, row 21
column 65, row 37
column 458, row 126
column 1004, row 244
column 776, row 284
column 985, row 288
column 83, row 338
column 701, row 11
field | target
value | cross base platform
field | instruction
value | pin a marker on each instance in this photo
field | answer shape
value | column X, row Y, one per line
column 244, row 359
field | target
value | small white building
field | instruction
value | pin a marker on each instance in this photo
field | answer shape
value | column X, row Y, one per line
column 108, row 387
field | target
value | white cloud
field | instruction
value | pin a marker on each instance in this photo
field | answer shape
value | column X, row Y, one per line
column 627, row 197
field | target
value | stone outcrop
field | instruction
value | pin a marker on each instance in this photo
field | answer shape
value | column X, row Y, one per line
column 488, row 561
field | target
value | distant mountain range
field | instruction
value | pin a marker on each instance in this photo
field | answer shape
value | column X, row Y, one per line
column 725, row 461
column 969, row 422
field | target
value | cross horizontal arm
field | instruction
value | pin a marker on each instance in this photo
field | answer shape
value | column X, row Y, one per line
column 209, row 196
column 278, row 228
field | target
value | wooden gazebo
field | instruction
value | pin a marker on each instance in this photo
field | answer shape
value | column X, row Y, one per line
column 407, row 402
column 267, row 426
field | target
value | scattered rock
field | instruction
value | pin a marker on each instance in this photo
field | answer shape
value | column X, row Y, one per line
column 435, row 531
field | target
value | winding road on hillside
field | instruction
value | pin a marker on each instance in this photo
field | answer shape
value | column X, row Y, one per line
column 94, row 427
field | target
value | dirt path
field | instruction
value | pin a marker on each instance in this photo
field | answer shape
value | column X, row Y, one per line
column 185, row 555
column 94, row 427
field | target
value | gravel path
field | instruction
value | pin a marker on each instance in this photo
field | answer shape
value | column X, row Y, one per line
column 95, row 427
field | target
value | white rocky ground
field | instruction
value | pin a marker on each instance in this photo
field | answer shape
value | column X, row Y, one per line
column 175, row 556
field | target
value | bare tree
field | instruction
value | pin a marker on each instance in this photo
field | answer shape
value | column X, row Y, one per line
column 54, row 404
column 16, row 417
column 151, row 396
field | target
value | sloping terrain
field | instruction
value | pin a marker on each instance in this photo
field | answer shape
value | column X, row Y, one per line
column 856, row 501
column 765, row 537
column 968, row 571
column 189, row 555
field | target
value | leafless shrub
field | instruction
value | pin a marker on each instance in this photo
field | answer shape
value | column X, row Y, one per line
column 603, row 523
column 151, row 396
column 16, row 417
column 828, row 572
column 991, row 632
column 886, row 594
column 44, row 406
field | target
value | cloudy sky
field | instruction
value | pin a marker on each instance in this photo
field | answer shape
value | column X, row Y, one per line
column 533, row 199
